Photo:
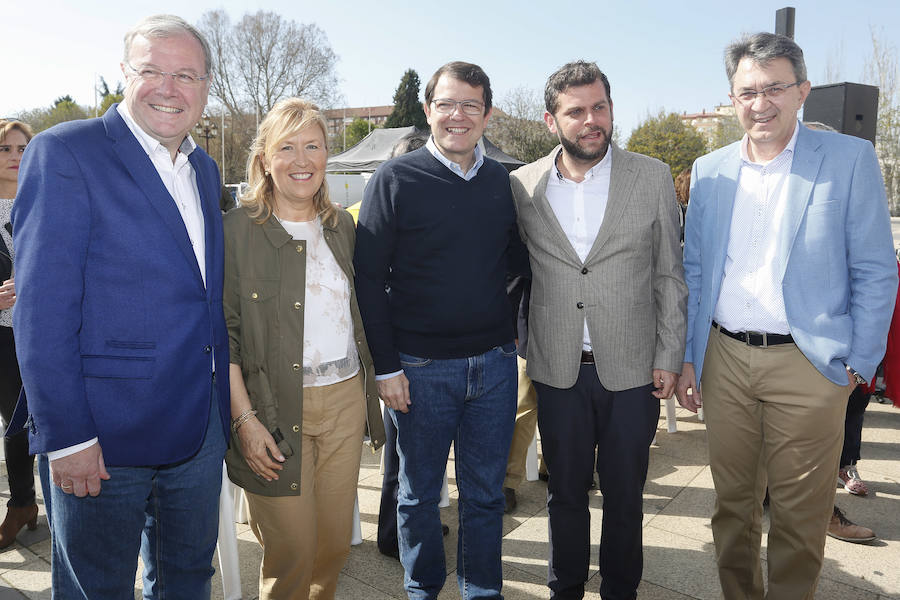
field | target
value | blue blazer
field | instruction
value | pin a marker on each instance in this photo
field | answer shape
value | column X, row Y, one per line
column 115, row 331
column 836, row 254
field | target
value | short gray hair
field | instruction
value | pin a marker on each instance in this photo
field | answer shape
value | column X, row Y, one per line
column 164, row 26
column 763, row 48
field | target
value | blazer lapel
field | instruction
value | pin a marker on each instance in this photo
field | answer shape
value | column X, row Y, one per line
column 141, row 169
column 622, row 181
column 209, row 204
column 726, row 188
column 804, row 170
column 545, row 211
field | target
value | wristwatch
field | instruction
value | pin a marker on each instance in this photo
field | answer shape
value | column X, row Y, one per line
column 856, row 376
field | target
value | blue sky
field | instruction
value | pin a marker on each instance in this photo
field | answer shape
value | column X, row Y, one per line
column 657, row 54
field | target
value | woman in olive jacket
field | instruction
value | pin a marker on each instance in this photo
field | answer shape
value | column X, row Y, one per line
column 302, row 381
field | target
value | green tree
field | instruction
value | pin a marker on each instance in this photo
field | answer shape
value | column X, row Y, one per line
column 407, row 106
column 356, row 131
column 107, row 97
column 728, row 130
column 63, row 109
column 669, row 139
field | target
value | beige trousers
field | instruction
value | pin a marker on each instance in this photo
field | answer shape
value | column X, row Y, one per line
column 306, row 538
column 771, row 418
column 523, row 433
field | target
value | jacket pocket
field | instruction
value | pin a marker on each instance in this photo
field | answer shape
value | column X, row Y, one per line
column 131, row 345
column 117, row 367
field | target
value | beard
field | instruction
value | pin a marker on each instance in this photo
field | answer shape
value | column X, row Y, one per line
column 576, row 151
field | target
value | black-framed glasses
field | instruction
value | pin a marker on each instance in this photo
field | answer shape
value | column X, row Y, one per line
column 151, row 75
column 772, row 92
column 447, row 106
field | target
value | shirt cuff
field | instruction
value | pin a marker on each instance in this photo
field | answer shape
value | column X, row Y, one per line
column 388, row 375
column 63, row 452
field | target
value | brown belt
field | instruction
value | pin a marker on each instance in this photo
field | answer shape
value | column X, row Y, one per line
column 754, row 338
column 587, row 357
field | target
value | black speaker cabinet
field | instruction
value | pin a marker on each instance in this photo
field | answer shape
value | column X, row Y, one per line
column 850, row 108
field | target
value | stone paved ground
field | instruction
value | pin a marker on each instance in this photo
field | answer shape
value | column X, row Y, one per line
column 679, row 557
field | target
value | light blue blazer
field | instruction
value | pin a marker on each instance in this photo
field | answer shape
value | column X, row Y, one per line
column 836, row 257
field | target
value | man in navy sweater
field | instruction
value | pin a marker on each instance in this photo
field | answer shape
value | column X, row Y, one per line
column 436, row 238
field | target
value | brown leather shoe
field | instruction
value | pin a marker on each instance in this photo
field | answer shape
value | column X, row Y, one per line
column 17, row 517
column 843, row 529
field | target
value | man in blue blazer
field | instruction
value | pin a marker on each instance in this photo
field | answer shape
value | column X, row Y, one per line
column 120, row 331
column 792, row 277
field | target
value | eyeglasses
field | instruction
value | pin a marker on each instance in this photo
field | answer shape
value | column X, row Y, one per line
column 447, row 106
column 151, row 75
column 773, row 92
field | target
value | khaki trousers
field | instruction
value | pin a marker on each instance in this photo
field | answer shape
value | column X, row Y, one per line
column 526, row 423
column 771, row 417
column 306, row 538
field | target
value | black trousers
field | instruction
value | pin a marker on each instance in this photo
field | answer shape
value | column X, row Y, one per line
column 853, row 424
column 387, row 512
column 620, row 425
column 19, row 464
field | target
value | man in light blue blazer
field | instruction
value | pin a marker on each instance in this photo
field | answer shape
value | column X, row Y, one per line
column 120, row 330
column 792, row 277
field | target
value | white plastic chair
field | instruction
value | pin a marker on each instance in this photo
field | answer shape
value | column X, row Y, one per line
column 229, row 566
column 531, row 460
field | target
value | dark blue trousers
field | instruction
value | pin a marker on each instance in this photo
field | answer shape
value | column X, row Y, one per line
column 387, row 512
column 620, row 425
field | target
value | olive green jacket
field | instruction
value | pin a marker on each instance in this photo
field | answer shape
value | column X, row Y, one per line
column 265, row 290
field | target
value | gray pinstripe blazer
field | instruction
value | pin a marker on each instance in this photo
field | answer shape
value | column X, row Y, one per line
column 630, row 288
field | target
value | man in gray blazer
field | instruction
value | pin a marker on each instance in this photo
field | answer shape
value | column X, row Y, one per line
column 607, row 324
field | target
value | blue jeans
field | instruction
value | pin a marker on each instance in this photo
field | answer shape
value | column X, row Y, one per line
column 472, row 403
column 169, row 513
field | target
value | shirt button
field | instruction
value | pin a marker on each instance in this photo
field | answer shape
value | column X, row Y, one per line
column 584, row 271
column 299, row 249
column 580, row 305
column 297, row 305
column 207, row 349
column 296, row 428
column 294, row 486
column 295, row 367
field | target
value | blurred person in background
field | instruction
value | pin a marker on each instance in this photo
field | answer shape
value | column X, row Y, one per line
column 22, row 509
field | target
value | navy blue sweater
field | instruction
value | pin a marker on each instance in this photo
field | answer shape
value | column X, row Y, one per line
column 432, row 254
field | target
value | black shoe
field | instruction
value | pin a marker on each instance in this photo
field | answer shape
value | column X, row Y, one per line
column 543, row 476
column 509, row 495
column 445, row 530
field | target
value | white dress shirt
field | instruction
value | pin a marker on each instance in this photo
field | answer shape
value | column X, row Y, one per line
column 180, row 181
column 455, row 167
column 751, row 298
column 579, row 207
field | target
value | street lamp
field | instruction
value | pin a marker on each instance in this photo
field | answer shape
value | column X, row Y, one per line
column 206, row 129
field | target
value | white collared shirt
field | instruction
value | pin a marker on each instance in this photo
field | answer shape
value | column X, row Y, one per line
column 579, row 207
column 455, row 167
column 180, row 181
column 751, row 298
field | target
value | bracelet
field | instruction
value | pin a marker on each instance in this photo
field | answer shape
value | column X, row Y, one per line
column 241, row 419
